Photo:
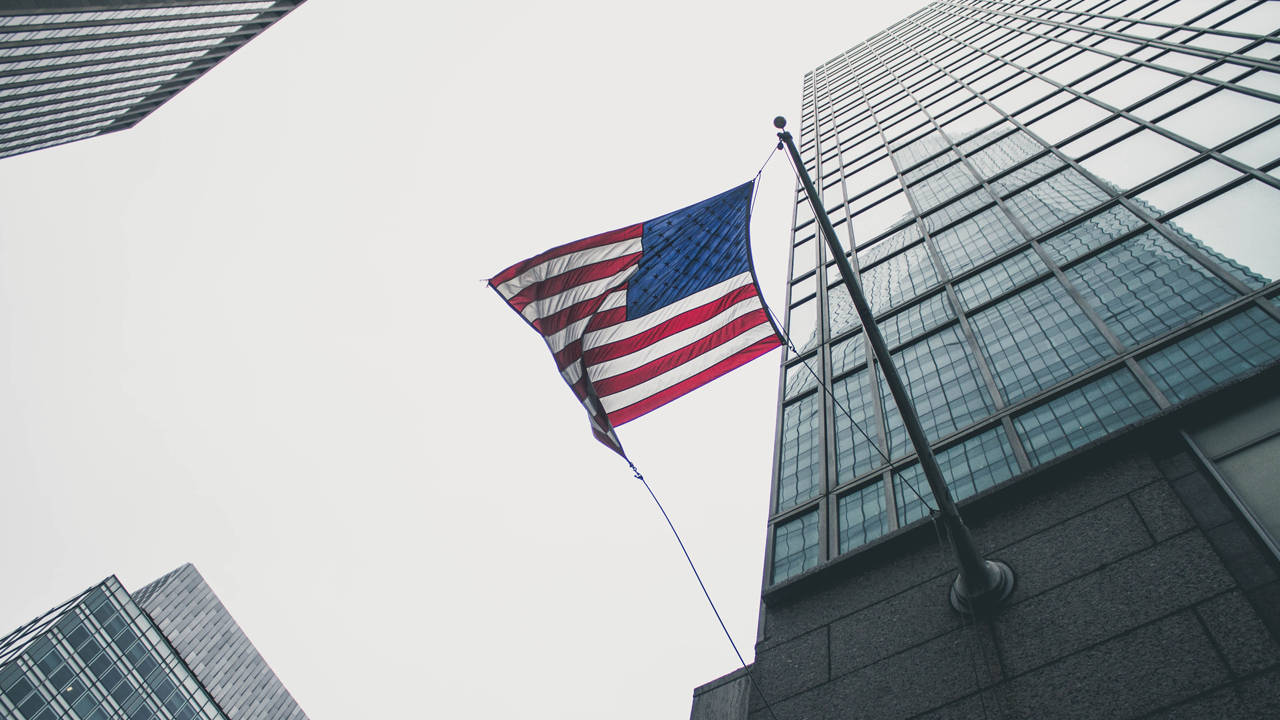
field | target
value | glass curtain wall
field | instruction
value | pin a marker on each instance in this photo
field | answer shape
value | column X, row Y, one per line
column 1064, row 217
column 71, row 75
column 98, row 657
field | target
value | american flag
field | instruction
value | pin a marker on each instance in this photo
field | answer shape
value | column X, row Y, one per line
column 639, row 316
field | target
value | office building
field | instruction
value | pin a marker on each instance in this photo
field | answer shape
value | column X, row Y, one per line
column 169, row 651
column 1064, row 216
column 190, row 615
column 74, row 69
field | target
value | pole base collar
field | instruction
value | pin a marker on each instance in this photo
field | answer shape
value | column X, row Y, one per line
column 999, row 586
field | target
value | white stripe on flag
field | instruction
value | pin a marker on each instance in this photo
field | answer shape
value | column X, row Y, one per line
column 671, row 343
column 560, row 340
column 640, row 392
column 564, row 263
column 579, row 293
column 629, row 328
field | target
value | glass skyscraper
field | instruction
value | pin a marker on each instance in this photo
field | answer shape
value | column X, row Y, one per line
column 1066, row 218
column 190, row 615
column 74, row 69
column 170, row 652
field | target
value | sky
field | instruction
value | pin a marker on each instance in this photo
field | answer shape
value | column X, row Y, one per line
column 252, row 333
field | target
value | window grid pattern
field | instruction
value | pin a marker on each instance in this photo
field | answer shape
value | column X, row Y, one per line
column 795, row 546
column 863, row 516
column 98, row 657
column 71, row 75
column 981, row 462
column 1017, row 132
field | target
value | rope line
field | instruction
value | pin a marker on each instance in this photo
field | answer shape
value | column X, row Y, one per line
column 854, row 423
column 703, row 585
column 875, row 445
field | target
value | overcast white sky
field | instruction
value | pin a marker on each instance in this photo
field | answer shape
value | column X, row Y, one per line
column 252, row 333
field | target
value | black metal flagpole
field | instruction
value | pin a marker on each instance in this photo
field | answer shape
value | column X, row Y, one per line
column 982, row 584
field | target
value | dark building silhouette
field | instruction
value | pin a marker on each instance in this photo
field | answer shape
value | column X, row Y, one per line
column 169, row 651
column 1064, row 217
column 74, row 69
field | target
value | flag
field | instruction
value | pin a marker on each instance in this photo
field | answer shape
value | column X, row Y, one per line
column 639, row 316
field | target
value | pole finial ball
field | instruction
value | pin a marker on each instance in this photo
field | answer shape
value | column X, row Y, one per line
column 780, row 122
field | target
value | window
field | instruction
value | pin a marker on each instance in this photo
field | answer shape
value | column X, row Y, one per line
column 1242, row 451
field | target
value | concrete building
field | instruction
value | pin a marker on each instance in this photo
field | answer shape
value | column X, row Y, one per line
column 1064, row 217
column 170, row 651
column 75, row 69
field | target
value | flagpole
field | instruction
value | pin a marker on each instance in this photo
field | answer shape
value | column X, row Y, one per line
column 982, row 584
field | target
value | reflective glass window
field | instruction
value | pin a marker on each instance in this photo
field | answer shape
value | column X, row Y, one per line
column 888, row 245
column 856, row 444
column 801, row 377
column 1231, row 348
column 942, row 186
column 795, row 546
column 957, row 209
column 981, row 462
column 1136, row 159
column 1091, row 234
column 1220, row 116
column 973, row 241
column 1000, row 278
column 1036, row 338
column 1004, row 154
column 898, row 279
column 1087, row 413
column 1054, row 201
column 1187, row 185
column 800, row 461
column 1239, row 224
column 862, row 516
column 916, row 320
column 847, row 354
column 1145, row 287
column 802, row 325
column 945, row 387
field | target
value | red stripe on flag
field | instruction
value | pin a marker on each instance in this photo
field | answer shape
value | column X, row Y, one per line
column 742, row 357
column 569, row 354
column 654, row 368
column 683, row 321
column 613, row 236
column 554, row 323
column 578, row 276
column 572, row 352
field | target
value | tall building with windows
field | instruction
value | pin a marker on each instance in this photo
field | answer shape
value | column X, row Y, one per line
column 169, row 651
column 1065, row 215
column 75, row 69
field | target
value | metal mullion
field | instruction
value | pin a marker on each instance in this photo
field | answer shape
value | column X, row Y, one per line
column 1148, row 42
column 255, row 27
column 14, row 141
column 106, row 89
column 210, row 59
column 1129, row 58
column 139, row 33
column 1237, row 165
column 1159, row 23
column 936, row 257
column 775, row 516
column 1112, row 339
column 1015, row 442
column 101, row 61
column 828, row 530
column 873, row 383
column 137, row 20
column 53, row 118
column 71, row 105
